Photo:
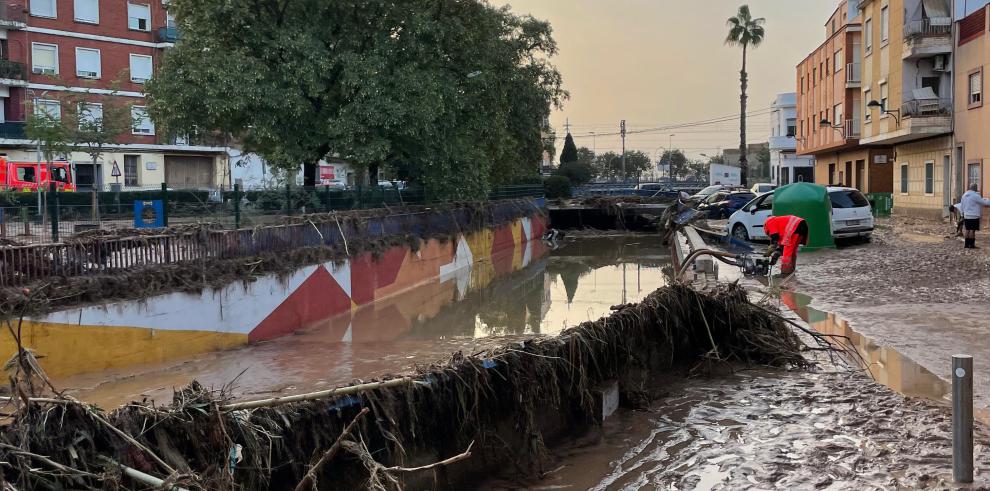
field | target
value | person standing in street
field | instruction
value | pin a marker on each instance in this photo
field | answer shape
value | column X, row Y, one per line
column 972, row 204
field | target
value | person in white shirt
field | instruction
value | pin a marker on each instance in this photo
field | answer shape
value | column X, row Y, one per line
column 972, row 204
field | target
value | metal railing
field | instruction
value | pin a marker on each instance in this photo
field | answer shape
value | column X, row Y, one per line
column 926, row 108
column 851, row 128
column 11, row 12
column 853, row 73
column 937, row 27
column 12, row 130
column 23, row 264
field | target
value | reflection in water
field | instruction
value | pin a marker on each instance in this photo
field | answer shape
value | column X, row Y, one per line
column 888, row 366
column 578, row 282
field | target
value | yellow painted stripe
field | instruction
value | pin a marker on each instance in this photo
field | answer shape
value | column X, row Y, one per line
column 73, row 349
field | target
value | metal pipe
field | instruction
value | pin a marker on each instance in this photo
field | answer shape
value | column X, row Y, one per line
column 962, row 418
column 140, row 476
column 703, row 252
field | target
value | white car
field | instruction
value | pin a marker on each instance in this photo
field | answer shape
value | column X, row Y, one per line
column 763, row 187
column 851, row 215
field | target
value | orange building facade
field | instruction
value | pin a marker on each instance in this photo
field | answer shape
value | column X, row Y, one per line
column 830, row 109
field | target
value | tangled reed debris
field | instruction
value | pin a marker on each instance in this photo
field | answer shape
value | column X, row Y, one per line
column 501, row 405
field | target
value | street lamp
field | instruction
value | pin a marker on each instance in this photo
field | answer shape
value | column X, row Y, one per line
column 876, row 104
column 825, row 123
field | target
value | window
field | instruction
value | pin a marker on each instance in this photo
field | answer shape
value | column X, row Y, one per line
column 976, row 88
column 814, row 76
column 821, row 70
column 843, row 200
column 44, row 58
column 868, row 111
column 802, row 84
column 90, row 115
column 170, row 20
column 883, row 99
column 884, row 24
column 868, row 35
column 929, row 177
column 25, row 174
column 142, row 123
column 791, row 126
column 974, row 174
column 827, row 64
column 904, row 179
column 131, row 170
column 837, row 116
column 51, row 108
column 767, row 203
column 87, row 11
column 138, row 17
column 88, row 63
column 831, row 174
column 140, row 68
column 839, row 60
column 43, row 8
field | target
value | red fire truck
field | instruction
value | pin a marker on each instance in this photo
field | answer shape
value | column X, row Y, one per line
column 21, row 176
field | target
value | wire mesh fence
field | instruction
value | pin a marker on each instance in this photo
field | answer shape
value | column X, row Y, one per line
column 64, row 216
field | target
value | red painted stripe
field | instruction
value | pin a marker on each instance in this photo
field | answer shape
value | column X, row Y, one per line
column 318, row 298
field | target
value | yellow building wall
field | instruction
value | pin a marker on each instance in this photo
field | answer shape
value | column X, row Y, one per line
column 915, row 155
column 883, row 64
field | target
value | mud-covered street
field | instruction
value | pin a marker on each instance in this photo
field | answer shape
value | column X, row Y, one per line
column 913, row 289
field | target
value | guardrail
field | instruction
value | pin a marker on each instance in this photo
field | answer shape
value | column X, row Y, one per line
column 24, row 264
column 853, row 73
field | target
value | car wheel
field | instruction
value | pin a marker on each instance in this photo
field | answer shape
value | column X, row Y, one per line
column 739, row 232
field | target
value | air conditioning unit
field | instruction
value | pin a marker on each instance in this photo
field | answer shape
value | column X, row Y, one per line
column 143, row 131
column 43, row 71
column 85, row 74
column 941, row 64
column 138, row 80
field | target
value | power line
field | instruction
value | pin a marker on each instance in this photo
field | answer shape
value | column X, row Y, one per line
column 723, row 119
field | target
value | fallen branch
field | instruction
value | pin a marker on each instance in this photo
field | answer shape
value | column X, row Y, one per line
column 466, row 454
column 341, row 230
column 141, row 476
column 49, row 462
column 354, row 389
column 309, row 480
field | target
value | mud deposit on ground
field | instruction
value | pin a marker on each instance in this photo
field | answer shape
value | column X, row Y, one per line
column 766, row 429
column 914, row 289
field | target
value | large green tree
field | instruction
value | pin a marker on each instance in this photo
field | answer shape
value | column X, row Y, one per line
column 609, row 165
column 452, row 95
column 677, row 162
column 744, row 31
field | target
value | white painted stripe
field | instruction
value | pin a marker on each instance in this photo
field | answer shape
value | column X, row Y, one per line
column 233, row 309
column 86, row 90
column 95, row 37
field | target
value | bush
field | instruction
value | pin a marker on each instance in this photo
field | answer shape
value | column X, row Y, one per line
column 578, row 173
column 557, row 187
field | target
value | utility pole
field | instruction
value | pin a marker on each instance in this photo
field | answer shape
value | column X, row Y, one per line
column 567, row 126
column 622, row 131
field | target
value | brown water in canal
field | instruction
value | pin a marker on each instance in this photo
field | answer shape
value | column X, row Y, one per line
column 580, row 281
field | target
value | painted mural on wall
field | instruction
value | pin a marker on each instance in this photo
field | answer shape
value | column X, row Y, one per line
column 177, row 325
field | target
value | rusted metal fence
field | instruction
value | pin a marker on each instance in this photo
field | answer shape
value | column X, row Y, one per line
column 25, row 264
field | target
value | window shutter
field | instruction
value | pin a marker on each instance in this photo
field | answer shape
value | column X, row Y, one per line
column 88, row 63
column 141, row 68
column 87, row 10
column 43, row 8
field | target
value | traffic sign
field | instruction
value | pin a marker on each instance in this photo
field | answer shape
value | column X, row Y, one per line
column 116, row 170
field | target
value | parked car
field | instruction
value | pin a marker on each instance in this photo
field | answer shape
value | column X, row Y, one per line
column 724, row 203
column 702, row 195
column 763, row 188
column 851, row 215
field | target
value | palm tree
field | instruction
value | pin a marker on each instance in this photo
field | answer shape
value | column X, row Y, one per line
column 744, row 31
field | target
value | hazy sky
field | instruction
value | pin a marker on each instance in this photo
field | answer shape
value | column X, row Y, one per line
column 662, row 62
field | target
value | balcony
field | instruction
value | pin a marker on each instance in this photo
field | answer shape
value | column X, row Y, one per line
column 919, row 119
column 851, row 129
column 927, row 37
column 13, row 73
column 854, row 75
column 12, row 130
column 167, row 35
column 783, row 143
column 12, row 16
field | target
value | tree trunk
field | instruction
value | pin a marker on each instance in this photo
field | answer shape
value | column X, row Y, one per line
column 743, row 160
column 310, row 171
column 373, row 175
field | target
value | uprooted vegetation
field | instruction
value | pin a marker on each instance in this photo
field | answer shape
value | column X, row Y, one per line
column 501, row 405
column 218, row 257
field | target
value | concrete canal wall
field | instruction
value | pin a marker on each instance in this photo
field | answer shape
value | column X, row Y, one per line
column 175, row 325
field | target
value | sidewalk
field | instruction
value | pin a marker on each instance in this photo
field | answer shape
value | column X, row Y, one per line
column 914, row 289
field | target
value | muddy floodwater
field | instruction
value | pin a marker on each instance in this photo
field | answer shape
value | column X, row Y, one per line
column 577, row 282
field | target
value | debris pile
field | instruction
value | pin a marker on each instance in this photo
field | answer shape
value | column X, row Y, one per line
column 449, row 424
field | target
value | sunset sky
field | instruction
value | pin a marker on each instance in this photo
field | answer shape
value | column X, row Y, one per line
column 663, row 62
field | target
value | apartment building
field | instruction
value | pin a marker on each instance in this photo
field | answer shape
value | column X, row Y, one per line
column 105, row 47
column 907, row 83
column 972, row 147
column 830, row 108
column 785, row 165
